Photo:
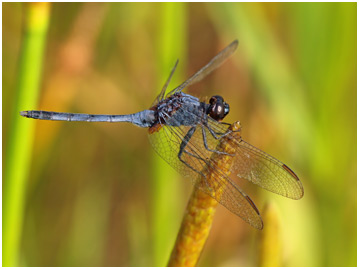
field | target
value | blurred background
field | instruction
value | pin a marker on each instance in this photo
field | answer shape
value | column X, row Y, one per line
column 96, row 194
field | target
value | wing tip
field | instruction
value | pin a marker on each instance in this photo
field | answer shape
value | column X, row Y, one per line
column 290, row 171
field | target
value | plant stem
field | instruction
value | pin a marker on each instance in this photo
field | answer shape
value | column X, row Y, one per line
column 200, row 210
column 21, row 131
column 270, row 244
column 172, row 28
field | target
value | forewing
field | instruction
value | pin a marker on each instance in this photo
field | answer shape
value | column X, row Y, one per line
column 260, row 168
column 206, row 169
column 214, row 63
column 266, row 171
column 163, row 91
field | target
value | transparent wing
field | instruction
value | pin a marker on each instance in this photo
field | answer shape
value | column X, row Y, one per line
column 208, row 170
column 208, row 68
column 264, row 170
column 260, row 168
column 163, row 91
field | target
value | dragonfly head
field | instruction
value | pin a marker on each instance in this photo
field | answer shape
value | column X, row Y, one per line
column 217, row 108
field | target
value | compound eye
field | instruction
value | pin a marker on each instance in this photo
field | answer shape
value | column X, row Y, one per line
column 213, row 100
column 218, row 109
column 226, row 109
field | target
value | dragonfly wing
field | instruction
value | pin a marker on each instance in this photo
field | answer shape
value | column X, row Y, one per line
column 163, row 91
column 266, row 171
column 260, row 168
column 205, row 170
column 208, row 68
column 166, row 142
column 220, row 187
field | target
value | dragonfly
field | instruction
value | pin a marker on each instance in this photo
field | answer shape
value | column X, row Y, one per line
column 187, row 132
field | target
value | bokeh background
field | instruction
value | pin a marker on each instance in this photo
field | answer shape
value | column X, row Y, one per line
column 96, row 194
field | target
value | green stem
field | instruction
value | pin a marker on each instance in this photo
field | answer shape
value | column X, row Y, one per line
column 171, row 46
column 21, row 131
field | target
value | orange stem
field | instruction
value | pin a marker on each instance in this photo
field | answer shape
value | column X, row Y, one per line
column 198, row 218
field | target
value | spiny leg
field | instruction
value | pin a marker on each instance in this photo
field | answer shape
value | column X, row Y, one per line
column 182, row 150
column 214, row 133
column 206, row 144
column 227, row 131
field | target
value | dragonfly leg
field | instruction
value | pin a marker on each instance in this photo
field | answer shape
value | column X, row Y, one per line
column 182, row 150
column 220, row 135
column 206, row 145
column 216, row 135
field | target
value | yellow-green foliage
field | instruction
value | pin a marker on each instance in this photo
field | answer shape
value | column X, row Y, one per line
column 81, row 194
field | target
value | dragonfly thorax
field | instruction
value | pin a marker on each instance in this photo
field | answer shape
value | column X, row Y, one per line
column 180, row 109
